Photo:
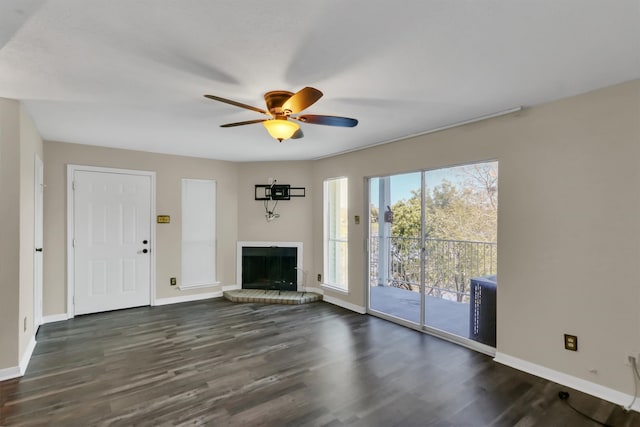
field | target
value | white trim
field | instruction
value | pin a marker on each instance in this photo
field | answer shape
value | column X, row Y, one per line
column 26, row 356
column 18, row 371
column 187, row 208
column 314, row 289
column 9, row 373
column 198, row 286
column 71, row 169
column 187, row 298
column 325, row 234
column 335, row 289
column 340, row 303
column 153, row 247
column 298, row 245
column 70, row 253
column 427, row 132
column 576, row 383
column 55, row 318
column 231, row 287
column 38, row 276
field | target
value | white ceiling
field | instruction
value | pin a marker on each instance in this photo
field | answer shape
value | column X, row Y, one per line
column 131, row 74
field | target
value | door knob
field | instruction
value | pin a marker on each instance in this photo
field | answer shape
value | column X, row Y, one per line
column 38, row 249
column 144, row 251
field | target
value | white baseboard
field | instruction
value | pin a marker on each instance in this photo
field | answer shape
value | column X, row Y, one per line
column 576, row 383
column 344, row 304
column 231, row 287
column 312, row 289
column 187, row 298
column 18, row 371
column 198, row 286
column 54, row 318
column 9, row 373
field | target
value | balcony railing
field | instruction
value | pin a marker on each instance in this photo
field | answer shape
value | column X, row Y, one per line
column 449, row 264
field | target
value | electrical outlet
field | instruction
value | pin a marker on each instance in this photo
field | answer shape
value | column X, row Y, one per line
column 319, row 277
column 570, row 342
column 173, row 281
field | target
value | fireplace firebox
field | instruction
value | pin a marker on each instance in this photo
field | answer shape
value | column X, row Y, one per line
column 270, row 267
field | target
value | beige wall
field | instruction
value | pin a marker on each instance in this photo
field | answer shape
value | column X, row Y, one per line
column 294, row 224
column 9, row 232
column 169, row 172
column 19, row 142
column 568, row 232
column 239, row 216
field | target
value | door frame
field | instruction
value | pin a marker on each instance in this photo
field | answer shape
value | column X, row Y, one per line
column 422, row 327
column 71, row 170
column 38, row 217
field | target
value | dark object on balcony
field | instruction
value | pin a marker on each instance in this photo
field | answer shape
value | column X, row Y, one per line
column 388, row 215
column 483, row 309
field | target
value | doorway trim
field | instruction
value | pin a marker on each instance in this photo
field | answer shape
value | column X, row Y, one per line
column 38, row 240
column 422, row 326
column 71, row 170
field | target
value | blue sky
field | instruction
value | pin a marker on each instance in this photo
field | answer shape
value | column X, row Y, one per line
column 401, row 185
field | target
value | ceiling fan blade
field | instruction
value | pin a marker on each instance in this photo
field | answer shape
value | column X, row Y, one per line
column 327, row 120
column 236, row 103
column 298, row 134
column 301, row 100
column 248, row 122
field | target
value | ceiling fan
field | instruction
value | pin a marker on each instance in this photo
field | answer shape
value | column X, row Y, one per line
column 282, row 107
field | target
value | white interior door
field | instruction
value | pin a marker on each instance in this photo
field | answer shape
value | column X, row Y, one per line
column 37, row 242
column 112, row 233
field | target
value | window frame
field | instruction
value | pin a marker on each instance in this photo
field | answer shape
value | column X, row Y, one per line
column 330, row 281
column 186, row 281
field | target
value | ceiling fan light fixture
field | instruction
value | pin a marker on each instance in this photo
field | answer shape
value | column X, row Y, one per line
column 281, row 129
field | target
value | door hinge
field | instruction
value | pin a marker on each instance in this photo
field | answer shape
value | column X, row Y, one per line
column 73, row 243
column 73, row 185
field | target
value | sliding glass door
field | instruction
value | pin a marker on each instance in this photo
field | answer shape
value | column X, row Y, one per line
column 432, row 238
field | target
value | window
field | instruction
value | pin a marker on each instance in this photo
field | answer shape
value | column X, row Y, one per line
column 198, row 233
column 336, row 233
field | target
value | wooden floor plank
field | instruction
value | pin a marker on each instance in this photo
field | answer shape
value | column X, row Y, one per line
column 224, row 364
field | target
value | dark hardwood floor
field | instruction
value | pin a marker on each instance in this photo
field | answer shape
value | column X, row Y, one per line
column 224, row 364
